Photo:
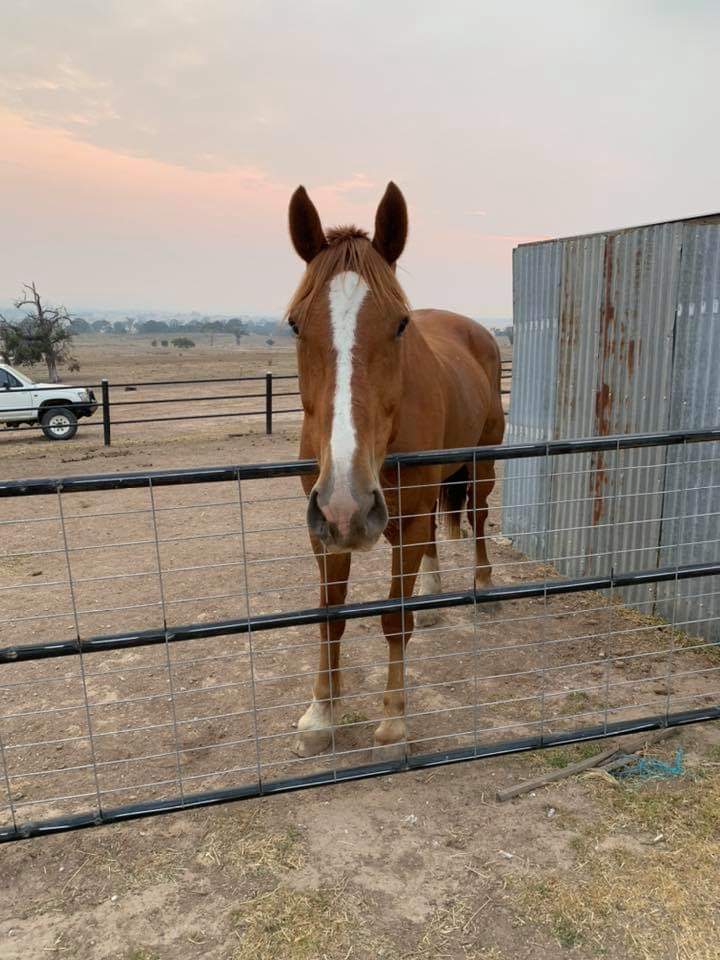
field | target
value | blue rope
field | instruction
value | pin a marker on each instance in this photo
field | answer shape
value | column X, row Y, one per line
column 645, row 768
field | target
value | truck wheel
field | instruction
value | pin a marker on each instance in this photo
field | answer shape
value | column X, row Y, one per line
column 59, row 423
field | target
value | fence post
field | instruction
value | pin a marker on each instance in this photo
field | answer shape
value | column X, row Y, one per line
column 268, row 402
column 105, row 386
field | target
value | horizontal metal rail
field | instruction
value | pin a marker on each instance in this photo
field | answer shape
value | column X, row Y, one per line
column 353, row 611
column 170, row 383
column 191, row 801
column 297, row 468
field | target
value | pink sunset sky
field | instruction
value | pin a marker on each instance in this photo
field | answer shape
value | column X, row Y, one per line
column 148, row 149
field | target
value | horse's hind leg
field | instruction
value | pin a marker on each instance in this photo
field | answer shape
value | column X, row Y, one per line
column 315, row 727
column 480, row 487
column 430, row 575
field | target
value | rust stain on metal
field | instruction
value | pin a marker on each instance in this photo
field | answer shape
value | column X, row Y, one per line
column 631, row 357
column 568, row 337
column 617, row 362
column 603, row 406
column 603, row 396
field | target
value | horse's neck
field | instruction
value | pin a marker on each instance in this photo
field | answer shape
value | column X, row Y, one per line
column 419, row 368
column 417, row 359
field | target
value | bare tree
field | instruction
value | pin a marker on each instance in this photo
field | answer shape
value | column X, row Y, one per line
column 43, row 334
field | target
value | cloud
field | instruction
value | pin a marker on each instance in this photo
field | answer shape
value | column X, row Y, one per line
column 358, row 181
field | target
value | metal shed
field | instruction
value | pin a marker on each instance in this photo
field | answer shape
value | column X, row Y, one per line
column 619, row 332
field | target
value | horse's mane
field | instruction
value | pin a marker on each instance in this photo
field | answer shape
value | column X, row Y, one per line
column 349, row 248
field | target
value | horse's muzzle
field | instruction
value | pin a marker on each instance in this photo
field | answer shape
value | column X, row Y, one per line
column 343, row 530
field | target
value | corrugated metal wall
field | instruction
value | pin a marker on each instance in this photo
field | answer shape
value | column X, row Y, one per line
column 575, row 539
column 618, row 333
column 691, row 516
column 536, row 299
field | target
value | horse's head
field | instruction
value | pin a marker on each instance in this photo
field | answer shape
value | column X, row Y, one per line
column 348, row 316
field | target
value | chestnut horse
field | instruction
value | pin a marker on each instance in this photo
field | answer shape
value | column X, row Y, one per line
column 378, row 378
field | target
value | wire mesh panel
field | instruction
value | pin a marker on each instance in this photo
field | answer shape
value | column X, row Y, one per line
column 160, row 636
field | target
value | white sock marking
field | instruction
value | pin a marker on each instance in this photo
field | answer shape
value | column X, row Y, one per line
column 316, row 717
column 430, row 575
column 347, row 292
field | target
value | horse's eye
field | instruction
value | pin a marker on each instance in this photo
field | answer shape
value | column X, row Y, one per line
column 293, row 326
column 403, row 323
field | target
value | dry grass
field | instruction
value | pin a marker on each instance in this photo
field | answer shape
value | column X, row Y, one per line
column 244, row 842
column 298, row 926
column 453, row 931
column 665, row 630
column 336, row 923
column 645, row 877
column 560, row 757
column 352, row 717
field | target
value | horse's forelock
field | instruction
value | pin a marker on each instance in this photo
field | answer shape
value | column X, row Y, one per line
column 349, row 249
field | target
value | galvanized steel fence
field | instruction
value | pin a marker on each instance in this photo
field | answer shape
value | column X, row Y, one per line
column 209, row 575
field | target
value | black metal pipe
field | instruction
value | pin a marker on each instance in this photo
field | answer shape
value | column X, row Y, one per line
column 268, row 402
column 106, row 412
column 176, row 383
column 135, row 811
column 192, row 416
column 296, row 468
column 225, row 396
column 351, row 611
column 172, row 383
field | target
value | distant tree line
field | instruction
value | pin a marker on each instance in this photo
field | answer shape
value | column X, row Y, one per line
column 236, row 326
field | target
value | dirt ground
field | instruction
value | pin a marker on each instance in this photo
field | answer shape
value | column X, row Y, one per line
column 416, row 865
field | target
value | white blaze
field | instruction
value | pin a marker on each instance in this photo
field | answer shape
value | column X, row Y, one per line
column 347, row 292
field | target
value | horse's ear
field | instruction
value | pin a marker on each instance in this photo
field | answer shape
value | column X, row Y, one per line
column 391, row 224
column 306, row 230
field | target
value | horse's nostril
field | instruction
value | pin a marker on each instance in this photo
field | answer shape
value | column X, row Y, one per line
column 377, row 517
column 315, row 517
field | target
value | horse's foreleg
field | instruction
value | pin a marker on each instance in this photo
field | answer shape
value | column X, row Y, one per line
column 430, row 575
column 398, row 626
column 315, row 725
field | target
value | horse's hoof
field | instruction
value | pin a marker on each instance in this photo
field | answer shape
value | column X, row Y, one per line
column 312, row 742
column 427, row 618
column 390, row 740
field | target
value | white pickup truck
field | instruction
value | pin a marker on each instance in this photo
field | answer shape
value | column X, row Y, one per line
column 55, row 406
